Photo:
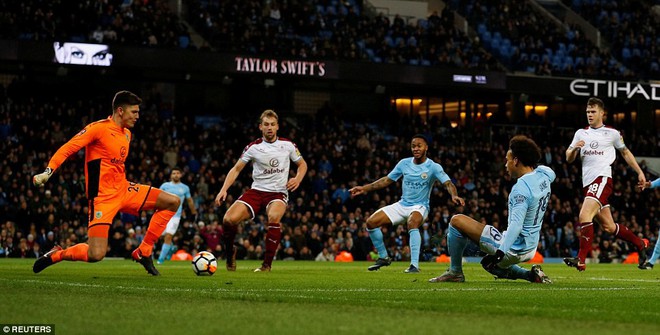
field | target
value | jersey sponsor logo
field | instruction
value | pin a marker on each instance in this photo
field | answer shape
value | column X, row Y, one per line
column 593, row 153
column 117, row 161
column 273, row 171
column 274, row 162
column 416, row 185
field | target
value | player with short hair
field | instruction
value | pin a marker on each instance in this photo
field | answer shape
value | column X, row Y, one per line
column 181, row 190
column 271, row 157
column 419, row 175
column 528, row 202
column 656, row 251
column 596, row 145
column 106, row 144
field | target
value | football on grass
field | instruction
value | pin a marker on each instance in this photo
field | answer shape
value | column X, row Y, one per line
column 204, row 264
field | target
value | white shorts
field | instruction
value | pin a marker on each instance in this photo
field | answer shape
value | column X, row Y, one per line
column 172, row 225
column 399, row 214
column 489, row 242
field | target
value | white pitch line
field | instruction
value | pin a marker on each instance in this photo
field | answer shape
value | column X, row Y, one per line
column 431, row 288
column 628, row 280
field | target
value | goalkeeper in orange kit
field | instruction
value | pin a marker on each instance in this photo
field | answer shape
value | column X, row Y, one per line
column 106, row 144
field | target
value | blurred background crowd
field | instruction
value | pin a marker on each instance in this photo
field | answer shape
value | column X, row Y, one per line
column 341, row 150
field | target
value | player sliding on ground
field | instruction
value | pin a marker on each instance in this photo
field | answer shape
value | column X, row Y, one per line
column 528, row 201
column 106, row 144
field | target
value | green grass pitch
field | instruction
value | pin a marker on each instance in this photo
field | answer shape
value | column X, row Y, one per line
column 118, row 297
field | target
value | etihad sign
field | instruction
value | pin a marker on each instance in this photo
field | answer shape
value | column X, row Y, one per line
column 615, row 89
column 272, row 66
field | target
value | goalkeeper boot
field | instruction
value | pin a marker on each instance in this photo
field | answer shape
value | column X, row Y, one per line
column 45, row 261
column 380, row 262
column 146, row 261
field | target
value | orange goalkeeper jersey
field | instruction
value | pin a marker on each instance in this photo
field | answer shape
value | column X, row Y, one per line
column 106, row 148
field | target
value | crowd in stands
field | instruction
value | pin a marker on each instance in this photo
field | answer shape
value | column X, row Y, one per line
column 631, row 29
column 511, row 35
column 336, row 30
column 126, row 22
column 527, row 41
column 322, row 219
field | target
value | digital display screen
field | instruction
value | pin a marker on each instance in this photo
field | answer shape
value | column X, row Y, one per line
column 82, row 54
column 470, row 79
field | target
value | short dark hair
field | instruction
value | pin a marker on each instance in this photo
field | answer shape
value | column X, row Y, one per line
column 176, row 168
column 422, row 136
column 593, row 101
column 525, row 149
column 125, row 98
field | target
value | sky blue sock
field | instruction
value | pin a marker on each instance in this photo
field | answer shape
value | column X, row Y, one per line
column 377, row 239
column 456, row 243
column 164, row 250
column 656, row 253
column 415, row 245
column 516, row 272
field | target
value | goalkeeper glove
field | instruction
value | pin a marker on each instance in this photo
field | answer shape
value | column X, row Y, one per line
column 490, row 261
column 42, row 178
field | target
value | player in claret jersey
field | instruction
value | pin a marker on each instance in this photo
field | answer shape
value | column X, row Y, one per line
column 596, row 145
column 106, row 144
column 270, row 156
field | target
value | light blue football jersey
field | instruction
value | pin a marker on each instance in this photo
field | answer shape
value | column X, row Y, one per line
column 528, row 202
column 418, row 180
column 181, row 190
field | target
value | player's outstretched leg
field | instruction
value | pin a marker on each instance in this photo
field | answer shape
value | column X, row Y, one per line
column 46, row 260
column 76, row 252
column 376, row 236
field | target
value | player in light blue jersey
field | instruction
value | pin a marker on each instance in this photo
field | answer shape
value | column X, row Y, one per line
column 419, row 174
column 181, row 190
column 528, row 201
column 648, row 265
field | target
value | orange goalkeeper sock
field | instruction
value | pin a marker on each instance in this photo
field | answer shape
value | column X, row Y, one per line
column 157, row 225
column 74, row 253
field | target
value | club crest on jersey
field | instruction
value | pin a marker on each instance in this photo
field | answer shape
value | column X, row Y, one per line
column 593, row 144
column 274, row 162
column 424, row 175
column 98, row 214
